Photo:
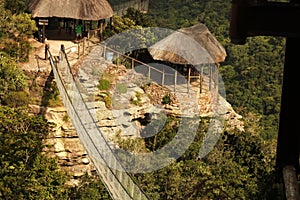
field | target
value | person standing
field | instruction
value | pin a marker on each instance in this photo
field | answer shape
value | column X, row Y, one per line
column 78, row 30
column 60, row 25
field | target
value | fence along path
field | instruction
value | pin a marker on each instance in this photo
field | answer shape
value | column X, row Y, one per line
column 119, row 183
column 205, row 80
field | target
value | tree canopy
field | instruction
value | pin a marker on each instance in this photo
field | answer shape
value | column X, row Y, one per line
column 241, row 166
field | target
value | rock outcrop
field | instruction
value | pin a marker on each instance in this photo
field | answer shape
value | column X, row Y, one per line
column 134, row 104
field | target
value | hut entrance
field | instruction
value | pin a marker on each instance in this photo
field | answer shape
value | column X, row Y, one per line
column 65, row 29
column 64, row 15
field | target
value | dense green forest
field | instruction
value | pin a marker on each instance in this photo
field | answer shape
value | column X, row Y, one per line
column 252, row 74
column 242, row 164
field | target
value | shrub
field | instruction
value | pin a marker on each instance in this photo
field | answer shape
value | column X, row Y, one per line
column 66, row 118
column 137, row 100
column 16, row 99
column 106, row 98
column 51, row 96
column 104, row 84
column 121, row 88
column 166, row 99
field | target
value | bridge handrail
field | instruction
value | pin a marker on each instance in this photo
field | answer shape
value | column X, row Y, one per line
column 64, row 91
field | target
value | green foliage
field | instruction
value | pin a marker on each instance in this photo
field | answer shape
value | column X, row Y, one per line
column 25, row 172
column 90, row 188
column 166, row 99
column 16, row 99
column 163, row 136
column 134, row 145
column 140, row 19
column 137, row 99
column 4, row 14
column 133, row 36
column 119, row 25
column 104, row 84
column 16, row 6
column 240, row 166
column 121, row 88
column 255, row 71
column 12, row 79
column 106, row 98
column 22, row 25
column 66, row 118
column 51, row 96
column 15, row 29
column 252, row 73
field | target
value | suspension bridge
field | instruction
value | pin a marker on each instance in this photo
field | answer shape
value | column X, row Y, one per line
column 120, row 184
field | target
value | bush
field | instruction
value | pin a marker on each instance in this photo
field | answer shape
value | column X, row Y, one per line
column 51, row 95
column 121, row 88
column 104, row 84
column 106, row 98
column 166, row 100
column 16, row 99
column 137, row 99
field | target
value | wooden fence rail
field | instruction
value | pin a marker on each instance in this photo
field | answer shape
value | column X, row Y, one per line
column 207, row 71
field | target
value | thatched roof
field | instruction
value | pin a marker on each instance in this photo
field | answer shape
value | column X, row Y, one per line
column 75, row 9
column 193, row 45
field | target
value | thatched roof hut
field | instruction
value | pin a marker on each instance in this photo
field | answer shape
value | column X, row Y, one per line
column 75, row 9
column 193, row 45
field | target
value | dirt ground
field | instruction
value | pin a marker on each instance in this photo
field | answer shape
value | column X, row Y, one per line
column 37, row 61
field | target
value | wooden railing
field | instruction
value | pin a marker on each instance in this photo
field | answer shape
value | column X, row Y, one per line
column 184, row 80
column 120, row 183
column 206, row 73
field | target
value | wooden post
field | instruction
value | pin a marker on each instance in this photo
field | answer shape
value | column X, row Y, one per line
column 104, row 51
column 118, row 59
column 37, row 61
column 62, row 48
column 189, row 79
column 210, row 76
column 175, row 81
column 18, row 54
column 163, row 77
column 149, row 72
column 132, row 64
column 101, row 30
column 88, row 41
column 44, row 33
column 201, row 79
column 217, row 80
column 78, row 49
column 111, row 22
column 83, row 47
column 46, row 51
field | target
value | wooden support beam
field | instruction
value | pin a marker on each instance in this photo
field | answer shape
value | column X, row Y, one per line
column 272, row 19
column 290, row 183
column 189, row 79
column 288, row 141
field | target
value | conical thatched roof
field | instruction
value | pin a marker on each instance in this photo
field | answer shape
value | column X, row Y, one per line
column 75, row 9
column 193, row 45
